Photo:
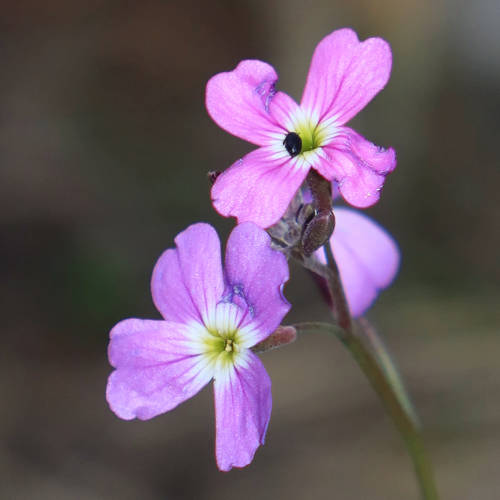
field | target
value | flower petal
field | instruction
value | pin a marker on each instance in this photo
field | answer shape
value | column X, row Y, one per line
column 256, row 273
column 157, row 367
column 242, row 410
column 358, row 166
column 187, row 282
column 367, row 258
column 244, row 102
column 259, row 187
column 345, row 74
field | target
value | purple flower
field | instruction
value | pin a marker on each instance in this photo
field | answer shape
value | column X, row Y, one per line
column 345, row 74
column 213, row 316
column 366, row 255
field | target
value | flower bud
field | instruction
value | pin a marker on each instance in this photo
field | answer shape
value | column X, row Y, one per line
column 283, row 335
column 317, row 231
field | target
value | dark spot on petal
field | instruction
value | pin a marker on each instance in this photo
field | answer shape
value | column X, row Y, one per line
column 293, row 143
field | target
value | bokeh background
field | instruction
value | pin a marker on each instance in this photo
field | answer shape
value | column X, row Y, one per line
column 105, row 143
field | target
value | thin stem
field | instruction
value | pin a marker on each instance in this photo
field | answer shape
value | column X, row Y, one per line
column 376, row 366
column 341, row 309
column 331, row 278
column 375, row 374
column 387, row 364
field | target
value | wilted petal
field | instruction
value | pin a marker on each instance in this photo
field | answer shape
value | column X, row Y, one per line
column 357, row 165
column 242, row 410
column 366, row 255
column 256, row 273
column 345, row 74
column 158, row 366
column 244, row 102
column 187, row 282
column 259, row 187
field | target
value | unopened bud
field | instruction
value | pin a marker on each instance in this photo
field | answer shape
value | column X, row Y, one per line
column 318, row 231
column 283, row 335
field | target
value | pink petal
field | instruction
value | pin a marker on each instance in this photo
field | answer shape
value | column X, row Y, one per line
column 256, row 274
column 244, row 103
column 157, row 368
column 242, row 411
column 259, row 187
column 358, row 166
column 345, row 74
column 367, row 258
column 187, row 282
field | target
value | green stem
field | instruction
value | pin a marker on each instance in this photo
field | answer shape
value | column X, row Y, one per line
column 385, row 361
column 375, row 374
column 340, row 307
column 375, row 363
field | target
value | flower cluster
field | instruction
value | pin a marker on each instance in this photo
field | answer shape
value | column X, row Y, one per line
column 213, row 314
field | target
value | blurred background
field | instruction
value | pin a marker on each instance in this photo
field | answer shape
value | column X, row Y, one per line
column 105, row 144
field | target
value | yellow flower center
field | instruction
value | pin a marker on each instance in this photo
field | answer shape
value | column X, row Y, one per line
column 229, row 345
column 223, row 339
column 312, row 132
column 309, row 136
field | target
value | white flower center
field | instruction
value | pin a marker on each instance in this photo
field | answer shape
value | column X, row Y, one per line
column 223, row 339
column 314, row 134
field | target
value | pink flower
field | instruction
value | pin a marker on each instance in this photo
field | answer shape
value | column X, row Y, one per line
column 212, row 317
column 345, row 74
column 366, row 255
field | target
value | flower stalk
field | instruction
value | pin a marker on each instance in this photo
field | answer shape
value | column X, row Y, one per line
column 366, row 348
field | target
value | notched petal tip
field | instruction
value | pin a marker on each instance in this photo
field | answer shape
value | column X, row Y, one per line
column 345, row 74
column 239, row 100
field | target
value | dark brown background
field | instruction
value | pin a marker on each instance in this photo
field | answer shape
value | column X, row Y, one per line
column 104, row 146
